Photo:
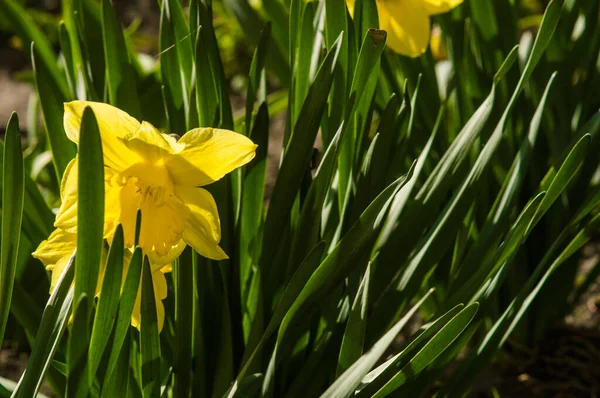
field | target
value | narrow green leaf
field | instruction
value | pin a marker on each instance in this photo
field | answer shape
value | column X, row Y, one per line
column 183, row 276
column 376, row 378
column 108, row 302
column 341, row 261
column 295, row 162
column 13, row 191
column 256, row 76
column 121, row 82
column 52, row 99
column 126, row 304
column 432, row 349
column 52, row 326
column 90, row 214
column 149, row 341
column 346, row 384
column 77, row 348
column 354, row 335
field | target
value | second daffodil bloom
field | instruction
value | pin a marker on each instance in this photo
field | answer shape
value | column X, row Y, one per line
column 407, row 22
column 160, row 175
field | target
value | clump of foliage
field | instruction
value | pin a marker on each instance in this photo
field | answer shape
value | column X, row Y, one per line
column 457, row 191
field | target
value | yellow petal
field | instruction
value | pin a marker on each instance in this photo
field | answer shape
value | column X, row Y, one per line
column 407, row 26
column 203, row 228
column 57, row 272
column 148, row 143
column 114, row 125
column 208, row 154
column 164, row 261
column 433, row 7
column 350, row 5
column 160, row 293
column 59, row 245
column 67, row 214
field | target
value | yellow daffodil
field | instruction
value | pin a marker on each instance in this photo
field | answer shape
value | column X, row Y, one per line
column 160, row 175
column 407, row 22
column 56, row 251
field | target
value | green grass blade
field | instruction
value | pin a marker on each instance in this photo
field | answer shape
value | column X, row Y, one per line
column 354, row 335
column 121, row 82
column 77, row 349
column 52, row 326
column 149, row 341
column 346, row 384
column 340, row 262
column 177, row 63
column 126, row 304
column 52, row 99
column 90, row 214
column 13, row 191
column 183, row 276
column 438, row 343
column 256, row 77
column 376, row 378
column 296, row 161
column 108, row 302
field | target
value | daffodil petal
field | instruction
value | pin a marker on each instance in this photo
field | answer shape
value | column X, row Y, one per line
column 163, row 261
column 114, row 125
column 208, row 154
column 407, row 25
column 67, row 214
column 203, row 228
column 433, row 7
column 57, row 271
column 148, row 143
column 160, row 293
column 60, row 244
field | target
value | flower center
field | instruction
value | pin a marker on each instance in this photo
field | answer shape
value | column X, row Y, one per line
column 148, row 187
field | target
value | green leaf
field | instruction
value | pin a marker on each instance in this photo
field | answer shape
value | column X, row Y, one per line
column 256, row 90
column 346, row 384
column 183, row 276
column 206, row 91
column 295, row 162
column 252, row 203
column 13, row 192
column 149, row 341
column 52, row 326
column 340, row 262
column 77, row 348
column 376, row 378
column 52, row 99
column 434, row 347
column 121, row 82
column 108, row 302
column 177, row 63
column 126, row 304
column 90, row 209
column 354, row 335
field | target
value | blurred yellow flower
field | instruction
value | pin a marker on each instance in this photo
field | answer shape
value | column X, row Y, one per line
column 407, row 22
column 154, row 172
